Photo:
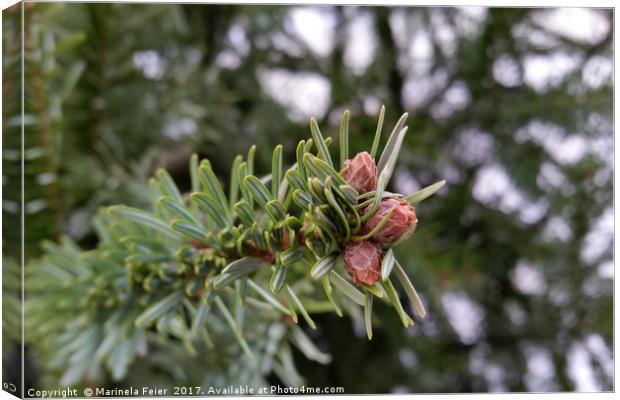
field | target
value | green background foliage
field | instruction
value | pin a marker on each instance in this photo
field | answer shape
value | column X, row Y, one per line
column 512, row 258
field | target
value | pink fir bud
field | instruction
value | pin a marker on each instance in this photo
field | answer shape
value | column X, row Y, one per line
column 360, row 173
column 362, row 260
column 400, row 224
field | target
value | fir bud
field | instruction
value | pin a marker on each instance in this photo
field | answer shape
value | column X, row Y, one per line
column 400, row 224
column 360, row 173
column 362, row 260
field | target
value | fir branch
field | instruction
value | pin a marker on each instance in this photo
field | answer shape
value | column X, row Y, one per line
column 162, row 270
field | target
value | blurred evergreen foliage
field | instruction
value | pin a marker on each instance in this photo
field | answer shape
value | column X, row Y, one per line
column 118, row 89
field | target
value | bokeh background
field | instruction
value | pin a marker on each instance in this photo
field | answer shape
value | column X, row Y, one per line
column 513, row 107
